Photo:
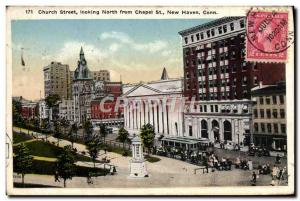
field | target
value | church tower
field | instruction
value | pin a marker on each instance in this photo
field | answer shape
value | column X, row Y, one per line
column 83, row 90
column 164, row 75
column 82, row 71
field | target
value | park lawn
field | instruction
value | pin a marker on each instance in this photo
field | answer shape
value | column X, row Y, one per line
column 48, row 168
column 152, row 159
column 17, row 137
column 118, row 150
column 44, row 149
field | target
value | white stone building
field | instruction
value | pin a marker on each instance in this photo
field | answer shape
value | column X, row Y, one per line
column 43, row 110
column 66, row 110
column 152, row 103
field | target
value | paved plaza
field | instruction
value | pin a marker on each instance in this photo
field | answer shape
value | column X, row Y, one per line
column 167, row 172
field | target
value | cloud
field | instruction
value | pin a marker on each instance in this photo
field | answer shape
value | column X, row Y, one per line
column 114, row 47
column 69, row 54
column 120, row 36
column 152, row 46
column 166, row 53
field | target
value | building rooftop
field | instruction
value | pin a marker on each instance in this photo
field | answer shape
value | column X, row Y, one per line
column 208, row 25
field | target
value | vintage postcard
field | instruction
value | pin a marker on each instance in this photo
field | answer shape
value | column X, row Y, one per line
column 150, row 100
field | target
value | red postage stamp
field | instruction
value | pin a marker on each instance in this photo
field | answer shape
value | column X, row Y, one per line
column 267, row 36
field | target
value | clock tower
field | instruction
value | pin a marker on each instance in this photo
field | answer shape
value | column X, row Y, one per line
column 82, row 90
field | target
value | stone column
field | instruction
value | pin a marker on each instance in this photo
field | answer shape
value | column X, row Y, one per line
column 142, row 113
column 146, row 111
column 150, row 108
column 221, row 130
column 195, row 127
column 138, row 111
column 165, row 122
column 200, row 127
column 155, row 117
column 209, row 130
column 130, row 115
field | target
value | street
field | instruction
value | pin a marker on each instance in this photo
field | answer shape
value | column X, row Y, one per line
column 166, row 172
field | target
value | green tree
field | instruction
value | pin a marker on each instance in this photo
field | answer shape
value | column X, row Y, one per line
column 21, row 122
column 103, row 132
column 65, row 124
column 17, row 111
column 57, row 132
column 52, row 101
column 23, row 161
column 123, row 136
column 73, row 133
column 93, row 147
column 65, row 165
column 147, row 135
column 88, row 129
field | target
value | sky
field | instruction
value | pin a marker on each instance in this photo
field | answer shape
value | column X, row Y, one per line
column 132, row 50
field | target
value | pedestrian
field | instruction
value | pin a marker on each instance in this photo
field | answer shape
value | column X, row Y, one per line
column 278, row 159
column 56, row 176
column 274, row 172
column 89, row 178
column 254, row 177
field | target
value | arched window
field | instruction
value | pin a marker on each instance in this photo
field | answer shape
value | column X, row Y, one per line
column 227, row 130
column 204, row 133
column 216, row 130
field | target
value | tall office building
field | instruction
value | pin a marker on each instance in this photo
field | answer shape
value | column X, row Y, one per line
column 57, row 80
column 219, row 78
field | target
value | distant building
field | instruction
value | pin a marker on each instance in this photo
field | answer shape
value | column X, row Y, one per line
column 29, row 110
column 269, row 116
column 113, row 89
column 82, row 90
column 101, row 75
column 43, row 110
column 66, row 110
column 112, row 111
column 57, row 80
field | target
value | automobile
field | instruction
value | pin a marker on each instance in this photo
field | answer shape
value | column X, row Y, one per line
column 258, row 151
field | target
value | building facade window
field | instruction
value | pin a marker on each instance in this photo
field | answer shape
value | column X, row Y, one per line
column 256, row 127
column 261, row 100
column 282, row 113
column 262, row 127
column 275, row 128
column 231, row 26
column 186, row 40
column 255, row 113
column 242, row 23
column 274, row 99
column 204, row 133
column 281, row 98
column 205, row 108
column 269, row 127
column 227, row 130
column 268, row 100
column 190, row 131
column 275, row 114
column 268, row 113
column 283, row 128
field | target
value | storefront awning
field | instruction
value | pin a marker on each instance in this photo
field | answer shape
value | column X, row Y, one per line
column 185, row 140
